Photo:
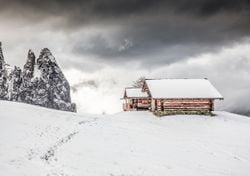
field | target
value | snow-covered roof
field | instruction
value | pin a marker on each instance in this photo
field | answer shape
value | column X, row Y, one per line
column 135, row 93
column 182, row 88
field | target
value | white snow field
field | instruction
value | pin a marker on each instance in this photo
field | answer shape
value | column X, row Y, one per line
column 36, row 141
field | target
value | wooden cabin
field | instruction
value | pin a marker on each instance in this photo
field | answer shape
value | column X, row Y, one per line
column 134, row 99
column 181, row 96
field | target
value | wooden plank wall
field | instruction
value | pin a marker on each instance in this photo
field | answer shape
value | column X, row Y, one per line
column 184, row 104
column 143, row 103
column 135, row 104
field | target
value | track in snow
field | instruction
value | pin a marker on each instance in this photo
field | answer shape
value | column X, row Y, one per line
column 50, row 154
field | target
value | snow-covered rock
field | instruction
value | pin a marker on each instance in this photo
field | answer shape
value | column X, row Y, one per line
column 53, row 89
column 40, row 83
column 15, row 82
column 3, row 77
column 26, row 89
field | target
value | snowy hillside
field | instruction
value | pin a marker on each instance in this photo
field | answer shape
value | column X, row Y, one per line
column 43, row 142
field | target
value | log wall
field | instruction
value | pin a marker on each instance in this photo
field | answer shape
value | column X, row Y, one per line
column 184, row 105
column 136, row 104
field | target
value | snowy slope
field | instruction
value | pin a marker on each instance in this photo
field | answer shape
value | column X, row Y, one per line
column 28, row 133
column 39, row 141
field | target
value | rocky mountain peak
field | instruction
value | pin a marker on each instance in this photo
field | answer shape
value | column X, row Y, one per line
column 41, row 82
column 1, row 52
column 2, row 62
column 46, row 57
column 28, row 69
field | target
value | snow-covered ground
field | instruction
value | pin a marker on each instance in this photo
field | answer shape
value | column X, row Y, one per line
column 42, row 142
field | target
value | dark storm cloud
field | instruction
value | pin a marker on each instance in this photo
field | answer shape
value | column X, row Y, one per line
column 166, row 30
column 118, row 8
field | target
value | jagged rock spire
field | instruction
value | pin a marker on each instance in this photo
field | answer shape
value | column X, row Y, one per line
column 26, row 87
column 15, row 84
column 2, row 62
column 28, row 69
column 1, row 52
column 46, row 56
column 57, row 91
column 41, row 82
column 3, row 77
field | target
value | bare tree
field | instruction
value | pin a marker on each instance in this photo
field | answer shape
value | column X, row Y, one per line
column 139, row 82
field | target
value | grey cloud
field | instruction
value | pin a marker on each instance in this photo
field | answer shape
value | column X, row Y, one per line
column 166, row 43
column 85, row 83
column 152, row 27
column 93, row 84
column 101, row 46
column 119, row 8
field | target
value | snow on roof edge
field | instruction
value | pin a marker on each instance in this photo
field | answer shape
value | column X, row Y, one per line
column 135, row 92
column 205, row 90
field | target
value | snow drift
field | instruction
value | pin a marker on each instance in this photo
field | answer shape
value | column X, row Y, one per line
column 40, row 141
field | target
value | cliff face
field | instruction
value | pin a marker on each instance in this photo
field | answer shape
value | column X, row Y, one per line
column 3, row 77
column 41, row 82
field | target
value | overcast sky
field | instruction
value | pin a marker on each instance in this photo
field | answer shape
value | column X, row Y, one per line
column 103, row 46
